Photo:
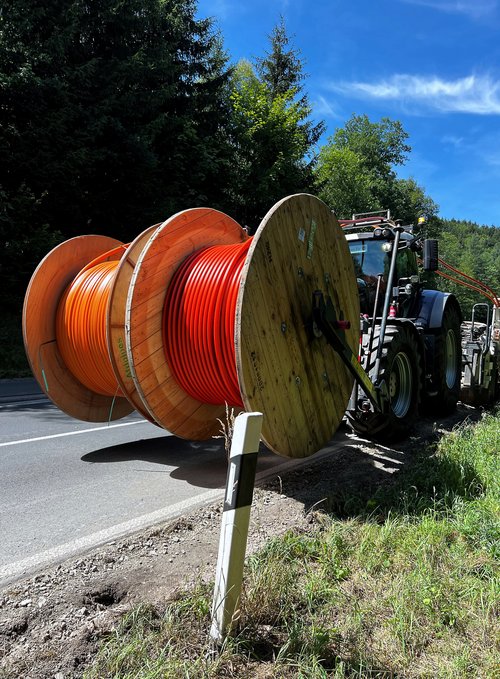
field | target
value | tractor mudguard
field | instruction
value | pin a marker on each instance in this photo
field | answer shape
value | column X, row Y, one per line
column 439, row 317
column 432, row 307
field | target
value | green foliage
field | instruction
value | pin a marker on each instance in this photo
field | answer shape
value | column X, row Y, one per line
column 379, row 145
column 271, row 141
column 281, row 70
column 475, row 250
column 110, row 117
column 273, row 138
column 345, row 184
column 13, row 362
column 355, row 171
column 117, row 115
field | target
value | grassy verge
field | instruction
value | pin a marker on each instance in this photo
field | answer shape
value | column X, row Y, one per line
column 407, row 588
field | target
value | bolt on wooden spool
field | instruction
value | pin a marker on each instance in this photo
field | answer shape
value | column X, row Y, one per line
column 284, row 369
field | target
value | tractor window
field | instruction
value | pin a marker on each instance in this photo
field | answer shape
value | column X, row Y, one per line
column 406, row 264
column 369, row 259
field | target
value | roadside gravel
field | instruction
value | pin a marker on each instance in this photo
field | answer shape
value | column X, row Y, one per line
column 51, row 623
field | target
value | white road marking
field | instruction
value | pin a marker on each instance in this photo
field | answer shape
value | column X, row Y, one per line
column 22, row 402
column 72, row 433
column 13, row 571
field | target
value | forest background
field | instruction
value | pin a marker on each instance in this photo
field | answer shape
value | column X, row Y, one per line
column 116, row 115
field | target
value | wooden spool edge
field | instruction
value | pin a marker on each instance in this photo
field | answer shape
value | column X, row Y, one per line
column 167, row 403
column 260, row 263
column 49, row 281
column 116, row 331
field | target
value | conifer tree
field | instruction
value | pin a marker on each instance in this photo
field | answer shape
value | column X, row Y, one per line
column 111, row 119
column 274, row 136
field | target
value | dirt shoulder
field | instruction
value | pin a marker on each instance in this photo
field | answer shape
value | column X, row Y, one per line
column 51, row 623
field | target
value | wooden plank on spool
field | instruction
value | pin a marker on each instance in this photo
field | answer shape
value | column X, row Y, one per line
column 177, row 238
column 46, row 287
column 116, row 321
column 286, row 372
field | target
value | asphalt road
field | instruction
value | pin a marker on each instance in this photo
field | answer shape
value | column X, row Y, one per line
column 68, row 486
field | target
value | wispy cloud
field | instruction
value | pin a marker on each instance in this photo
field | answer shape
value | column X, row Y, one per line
column 451, row 140
column 487, row 147
column 473, row 94
column 473, row 8
column 484, row 146
column 218, row 8
column 322, row 107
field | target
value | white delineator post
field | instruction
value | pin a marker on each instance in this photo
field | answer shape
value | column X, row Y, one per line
column 235, row 520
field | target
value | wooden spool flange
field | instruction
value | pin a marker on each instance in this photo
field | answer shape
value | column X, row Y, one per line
column 284, row 370
column 116, row 333
column 177, row 238
column 46, row 287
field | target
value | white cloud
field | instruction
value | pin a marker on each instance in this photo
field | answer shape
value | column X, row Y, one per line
column 473, row 94
column 473, row 8
column 322, row 107
column 457, row 142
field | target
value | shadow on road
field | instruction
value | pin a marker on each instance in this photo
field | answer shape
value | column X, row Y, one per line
column 200, row 463
column 352, row 472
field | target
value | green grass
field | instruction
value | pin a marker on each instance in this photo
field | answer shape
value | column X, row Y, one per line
column 406, row 587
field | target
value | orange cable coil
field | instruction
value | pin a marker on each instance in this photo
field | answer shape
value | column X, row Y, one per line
column 81, row 321
column 199, row 323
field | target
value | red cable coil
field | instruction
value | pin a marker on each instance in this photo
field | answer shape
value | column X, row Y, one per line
column 464, row 284
column 199, row 323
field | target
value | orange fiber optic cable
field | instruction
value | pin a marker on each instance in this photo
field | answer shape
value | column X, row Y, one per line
column 199, row 323
column 81, row 325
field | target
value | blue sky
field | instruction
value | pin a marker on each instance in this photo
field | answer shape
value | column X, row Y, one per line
column 432, row 64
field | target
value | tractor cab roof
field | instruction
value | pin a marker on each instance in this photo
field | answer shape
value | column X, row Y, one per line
column 372, row 225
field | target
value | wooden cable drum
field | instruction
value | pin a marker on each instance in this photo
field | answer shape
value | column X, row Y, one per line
column 116, row 325
column 178, row 237
column 45, row 290
column 284, row 370
column 282, row 365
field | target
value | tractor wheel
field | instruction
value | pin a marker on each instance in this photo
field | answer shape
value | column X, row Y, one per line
column 401, row 371
column 447, row 365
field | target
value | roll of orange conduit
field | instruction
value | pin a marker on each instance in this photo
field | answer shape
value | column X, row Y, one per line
column 81, row 325
column 198, row 323
column 198, row 327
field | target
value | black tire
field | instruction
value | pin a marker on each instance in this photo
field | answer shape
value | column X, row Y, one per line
column 401, row 372
column 447, row 364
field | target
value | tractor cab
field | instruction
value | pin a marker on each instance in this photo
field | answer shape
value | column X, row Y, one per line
column 371, row 238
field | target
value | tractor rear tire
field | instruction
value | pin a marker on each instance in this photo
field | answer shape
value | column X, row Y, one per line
column 401, row 371
column 447, row 365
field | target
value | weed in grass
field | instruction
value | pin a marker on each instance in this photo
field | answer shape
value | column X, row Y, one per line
column 270, row 591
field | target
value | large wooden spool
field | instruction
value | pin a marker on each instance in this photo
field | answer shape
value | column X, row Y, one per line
column 46, row 287
column 285, row 369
